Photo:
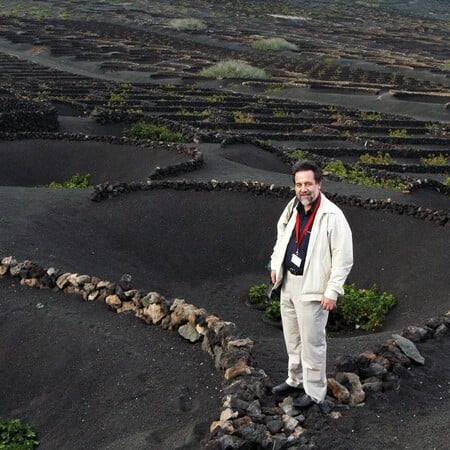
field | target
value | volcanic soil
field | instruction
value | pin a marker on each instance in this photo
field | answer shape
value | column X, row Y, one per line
column 88, row 378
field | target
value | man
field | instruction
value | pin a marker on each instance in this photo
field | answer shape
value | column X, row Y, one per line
column 311, row 260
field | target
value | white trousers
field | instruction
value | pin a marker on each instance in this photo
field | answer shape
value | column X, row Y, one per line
column 304, row 325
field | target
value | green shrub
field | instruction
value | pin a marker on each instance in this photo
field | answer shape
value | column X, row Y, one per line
column 272, row 312
column 216, row 98
column 234, row 69
column 359, row 176
column 187, row 24
column 241, row 117
column 274, row 88
column 276, row 44
column 16, row 435
column 365, row 115
column 379, row 158
column 433, row 128
column 143, row 130
column 363, row 308
column 434, row 160
column 281, row 113
column 398, row 133
column 299, row 154
column 76, row 181
column 118, row 96
column 357, row 308
column 257, row 294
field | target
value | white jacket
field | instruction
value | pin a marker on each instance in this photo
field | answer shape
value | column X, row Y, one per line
column 329, row 258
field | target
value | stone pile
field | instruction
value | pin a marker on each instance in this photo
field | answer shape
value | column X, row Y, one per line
column 26, row 115
column 251, row 417
column 194, row 163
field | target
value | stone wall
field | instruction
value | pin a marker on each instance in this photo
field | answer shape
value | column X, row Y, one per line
column 379, row 172
column 108, row 190
column 25, row 115
column 105, row 116
column 195, row 161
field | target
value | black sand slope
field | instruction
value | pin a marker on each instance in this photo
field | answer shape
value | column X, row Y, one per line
column 205, row 247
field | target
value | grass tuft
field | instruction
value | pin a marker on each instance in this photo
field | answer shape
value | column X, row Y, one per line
column 274, row 44
column 187, row 24
column 234, row 69
column 399, row 133
column 379, row 158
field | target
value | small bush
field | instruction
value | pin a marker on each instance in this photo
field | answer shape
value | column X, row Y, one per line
column 359, row 176
column 275, row 88
column 216, row 98
column 76, row 181
column 379, row 158
column 16, row 435
column 363, row 308
column 357, row 308
column 143, row 130
column 364, row 115
column 434, row 160
column 433, row 128
column 240, row 117
column 272, row 312
column 118, row 96
column 234, row 69
column 187, row 24
column 257, row 294
column 299, row 154
column 276, row 44
column 280, row 113
column 398, row 133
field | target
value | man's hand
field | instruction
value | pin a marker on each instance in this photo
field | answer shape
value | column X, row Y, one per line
column 328, row 304
column 273, row 276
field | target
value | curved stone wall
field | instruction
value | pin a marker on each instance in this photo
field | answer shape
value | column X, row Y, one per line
column 25, row 115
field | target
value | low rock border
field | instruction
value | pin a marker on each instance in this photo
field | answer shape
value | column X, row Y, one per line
column 26, row 115
column 105, row 116
column 380, row 173
column 251, row 417
column 194, row 163
column 108, row 190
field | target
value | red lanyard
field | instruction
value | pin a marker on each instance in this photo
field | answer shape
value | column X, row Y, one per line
column 299, row 236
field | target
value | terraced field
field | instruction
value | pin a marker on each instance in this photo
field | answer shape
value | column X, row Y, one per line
column 363, row 88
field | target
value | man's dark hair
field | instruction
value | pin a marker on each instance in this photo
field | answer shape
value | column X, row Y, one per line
column 303, row 165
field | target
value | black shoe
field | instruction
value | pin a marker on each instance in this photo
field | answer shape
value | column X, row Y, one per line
column 305, row 401
column 284, row 388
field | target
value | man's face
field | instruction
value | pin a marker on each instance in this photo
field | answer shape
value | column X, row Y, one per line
column 306, row 188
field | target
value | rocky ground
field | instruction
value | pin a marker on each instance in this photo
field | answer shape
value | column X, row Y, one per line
column 85, row 377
